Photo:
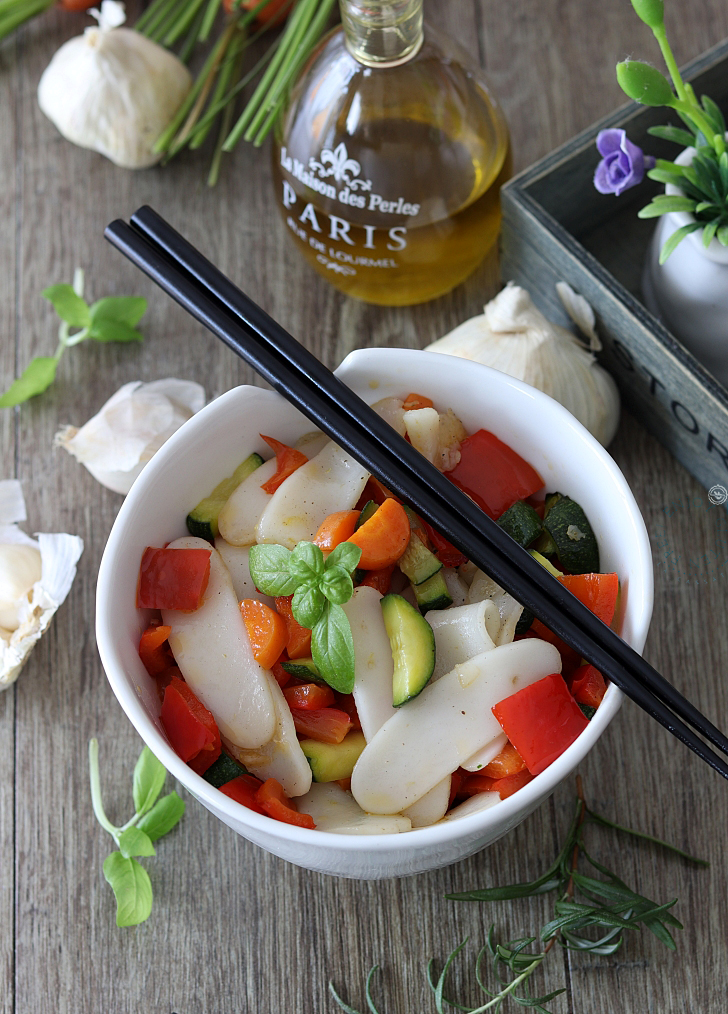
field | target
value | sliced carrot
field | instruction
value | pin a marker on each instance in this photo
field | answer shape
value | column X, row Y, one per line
column 508, row 762
column 272, row 800
column 344, row 783
column 288, row 459
column 588, row 686
column 154, row 651
column 279, row 674
column 266, row 629
column 309, row 697
column 299, row 638
column 379, row 579
column 415, row 401
column 336, row 528
column 384, row 537
column 327, row 725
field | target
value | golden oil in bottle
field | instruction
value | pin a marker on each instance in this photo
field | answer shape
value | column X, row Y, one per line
column 389, row 158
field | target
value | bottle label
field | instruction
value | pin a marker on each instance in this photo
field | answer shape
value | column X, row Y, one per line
column 338, row 178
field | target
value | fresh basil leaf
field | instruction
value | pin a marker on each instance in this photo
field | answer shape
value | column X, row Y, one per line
column 307, row 562
column 163, row 816
column 332, row 648
column 134, row 842
column 37, row 377
column 127, row 309
column 132, row 889
column 114, row 331
column 269, row 570
column 346, row 555
column 337, row 585
column 149, row 776
column 68, row 305
column 307, row 604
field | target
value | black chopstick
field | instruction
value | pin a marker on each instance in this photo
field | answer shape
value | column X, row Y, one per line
column 216, row 302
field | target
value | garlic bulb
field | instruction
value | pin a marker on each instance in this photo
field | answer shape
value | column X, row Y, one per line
column 35, row 578
column 113, row 90
column 513, row 336
column 129, row 429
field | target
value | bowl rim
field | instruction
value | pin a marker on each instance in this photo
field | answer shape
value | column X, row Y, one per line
column 443, row 832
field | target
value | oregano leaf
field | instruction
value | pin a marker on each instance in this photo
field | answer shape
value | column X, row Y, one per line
column 149, row 776
column 134, row 842
column 125, row 309
column 163, row 816
column 68, row 305
column 36, row 378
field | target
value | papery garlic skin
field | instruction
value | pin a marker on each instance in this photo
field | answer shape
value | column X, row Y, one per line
column 513, row 336
column 116, row 443
column 114, row 91
column 20, row 568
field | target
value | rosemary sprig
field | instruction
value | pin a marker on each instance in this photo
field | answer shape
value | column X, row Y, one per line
column 591, row 914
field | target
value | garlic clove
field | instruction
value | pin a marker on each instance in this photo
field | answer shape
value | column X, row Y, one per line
column 116, row 443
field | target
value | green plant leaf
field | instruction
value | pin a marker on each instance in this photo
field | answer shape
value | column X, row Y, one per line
column 307, row 604
column 69, row 306
column 652, row 12
column 644, row 84
column 332, row 648
column 657, row 208
column 722, row 235
column 269, row 570
column 677, row 237
column 337, row 585
column 37, row 377
column 134, row 842
column 306, row 562
column 126, row 309
column 345, row 555
column 149, row 776
column 163, row 816
column 709, row 232
column 714, row 114
column 132, row 889
column 674, row 134
column 103, row 330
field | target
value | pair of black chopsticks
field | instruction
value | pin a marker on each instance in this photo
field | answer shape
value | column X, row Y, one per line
column 197, row 285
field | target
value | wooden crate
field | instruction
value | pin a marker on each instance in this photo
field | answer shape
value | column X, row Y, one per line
column 557, row 227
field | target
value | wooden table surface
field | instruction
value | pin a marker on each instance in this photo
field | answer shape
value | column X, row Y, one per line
column 234, row 929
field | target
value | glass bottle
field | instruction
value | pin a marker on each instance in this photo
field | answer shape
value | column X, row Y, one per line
column 389, row 157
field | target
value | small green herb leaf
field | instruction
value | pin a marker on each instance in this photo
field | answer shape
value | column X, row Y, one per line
column 114, row 331
column 68, row 305
column 37, row 377
column 134, row 842
column 163, row 816
column 337, row 585
column 306, row 562
column 307, row 604
column 132, row 889
column 332, row 648
column 269, row 569
column 125, row 309
column 346, row 555
column 677, row 237
column 149, row 776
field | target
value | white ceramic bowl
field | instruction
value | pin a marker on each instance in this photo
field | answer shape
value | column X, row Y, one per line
column 212, row 444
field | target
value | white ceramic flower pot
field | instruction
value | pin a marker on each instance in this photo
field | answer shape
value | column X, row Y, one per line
column 689, row 292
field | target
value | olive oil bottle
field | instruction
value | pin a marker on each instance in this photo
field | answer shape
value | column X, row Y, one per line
column 389, row 157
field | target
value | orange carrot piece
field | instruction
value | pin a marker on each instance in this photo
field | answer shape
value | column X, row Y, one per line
column 299, row 638
column 327, row 725
column 309, row 697
column 508, row 762
column 336, row 528
column 415, row 401
column 266, row 629
column 288, row 459
column 384, row 537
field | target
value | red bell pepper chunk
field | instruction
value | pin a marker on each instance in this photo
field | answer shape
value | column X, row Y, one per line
column 288, row 459
column 309, row 697
column 154, row 651
column 541, row 721
column 173, row 578
column 347, row 704
column 599, row 593
column 327, row 725
column 588, row 686
column 508, row 762
column 190, row 727
column 446, row 553
column 376, row 491
column 472, row 784
column 279, row 674
column 492, row 474
column 380, row 580
column 273, row 801
column 244, row 789
column 505, row 787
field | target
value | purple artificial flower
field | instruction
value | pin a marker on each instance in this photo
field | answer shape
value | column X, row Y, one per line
column 623, row 164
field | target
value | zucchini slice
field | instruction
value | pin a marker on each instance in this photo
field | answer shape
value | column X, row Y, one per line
column 304, row 669
column 223, row 770
column 369, row 508
column 331, row 761
column 521, row 522
column 413, row 648
column 432, row 594
column 202, row 521
column 575, row 540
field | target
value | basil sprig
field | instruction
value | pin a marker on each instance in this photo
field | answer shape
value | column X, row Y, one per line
column 152, row 818
column 319, row 587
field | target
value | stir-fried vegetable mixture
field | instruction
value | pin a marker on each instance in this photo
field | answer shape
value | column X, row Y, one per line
column 327, row 658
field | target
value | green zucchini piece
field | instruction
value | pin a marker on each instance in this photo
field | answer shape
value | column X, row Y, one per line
column 524, row 621
column 417, row 562
column 331, row 761
column 223, row 770
column 575, row 540
column 202, row 521
column 588, row 711
column 304, row 669
column 522, row 523
column 369, row 508
column 413, row 648
column 432, row 594
column 546, row 564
